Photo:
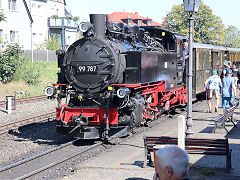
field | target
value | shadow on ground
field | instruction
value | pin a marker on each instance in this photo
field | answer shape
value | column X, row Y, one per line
column 44, row 133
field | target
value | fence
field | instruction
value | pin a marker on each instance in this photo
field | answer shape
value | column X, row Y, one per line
column 41, row 55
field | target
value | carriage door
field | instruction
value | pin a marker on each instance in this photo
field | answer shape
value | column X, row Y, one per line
column 215, row 60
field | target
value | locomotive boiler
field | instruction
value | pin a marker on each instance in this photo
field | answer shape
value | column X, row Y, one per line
column 115, row 78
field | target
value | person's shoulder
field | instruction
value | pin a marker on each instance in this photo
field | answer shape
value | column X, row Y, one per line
column 216, row 77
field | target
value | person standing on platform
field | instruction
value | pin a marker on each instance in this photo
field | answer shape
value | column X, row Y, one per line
column 238, row 75
column 213, row 85
column 185, row 58
column 235, row 73
column 226, row 67
column 171, row 163
column 229, row 90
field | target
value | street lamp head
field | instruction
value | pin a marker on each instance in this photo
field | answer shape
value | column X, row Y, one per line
column 191, row 5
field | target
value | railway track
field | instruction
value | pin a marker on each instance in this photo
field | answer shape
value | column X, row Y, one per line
column 39, row 165
column 42, row 165
column 4, row 129
column 34, row 165
column 26, row 100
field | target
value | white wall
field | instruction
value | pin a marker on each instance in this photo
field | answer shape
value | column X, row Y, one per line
column 17, row 20
column 40, row 12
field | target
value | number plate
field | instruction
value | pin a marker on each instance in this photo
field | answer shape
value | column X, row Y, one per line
column 87, row 69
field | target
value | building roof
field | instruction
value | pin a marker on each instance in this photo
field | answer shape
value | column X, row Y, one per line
column 60, row 1
column 121, row 16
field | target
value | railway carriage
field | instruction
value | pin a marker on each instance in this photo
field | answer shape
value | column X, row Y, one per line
column 207, row 57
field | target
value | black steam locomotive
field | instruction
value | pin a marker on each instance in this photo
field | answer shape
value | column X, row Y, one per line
column 116, row 78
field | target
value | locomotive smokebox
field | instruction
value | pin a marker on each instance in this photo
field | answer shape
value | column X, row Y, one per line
column 98, row 22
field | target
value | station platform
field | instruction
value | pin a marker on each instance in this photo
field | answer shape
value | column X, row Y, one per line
column 125, row 161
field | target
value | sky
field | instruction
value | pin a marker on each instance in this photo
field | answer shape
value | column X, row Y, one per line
column 228, row 11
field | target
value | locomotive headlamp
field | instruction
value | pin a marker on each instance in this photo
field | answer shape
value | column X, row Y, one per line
column 122, row 92
column 50, row 91
column 110, row 88
column 85, row 26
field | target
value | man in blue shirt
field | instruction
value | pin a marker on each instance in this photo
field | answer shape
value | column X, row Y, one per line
column 229, row 90
column 213, row 85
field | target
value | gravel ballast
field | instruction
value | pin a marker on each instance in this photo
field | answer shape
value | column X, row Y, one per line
column 30, row 139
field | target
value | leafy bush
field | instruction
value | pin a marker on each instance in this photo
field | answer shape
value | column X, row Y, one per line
column 10, row 59
column 53, row 43
column 28, row 72
column 2, row 17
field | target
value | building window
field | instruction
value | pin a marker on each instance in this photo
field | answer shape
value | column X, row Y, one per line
column 149, row 23
column 129, row 21
column 12, row 5
column 33, row 10
column 39, row 10
column 13, row 36
column 139, row 22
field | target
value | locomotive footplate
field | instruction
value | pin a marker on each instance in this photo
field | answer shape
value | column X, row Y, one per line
column 91, row 132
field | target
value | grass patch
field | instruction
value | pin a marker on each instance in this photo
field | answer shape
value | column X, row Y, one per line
column 31, row 78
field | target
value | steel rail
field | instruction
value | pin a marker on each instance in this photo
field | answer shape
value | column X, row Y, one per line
column 43, row 168
column 5, row 128
column 58, row 162
column 36, row 156
column 25, row 100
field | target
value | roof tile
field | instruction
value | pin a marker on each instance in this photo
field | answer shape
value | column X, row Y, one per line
column 120, row 16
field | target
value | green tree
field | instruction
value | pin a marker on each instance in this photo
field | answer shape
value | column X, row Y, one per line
column 208, row 28
column 2, row 17
column 53, row 43
column 232, row 37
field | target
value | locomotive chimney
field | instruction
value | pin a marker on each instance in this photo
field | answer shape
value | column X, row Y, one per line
column 98, row 22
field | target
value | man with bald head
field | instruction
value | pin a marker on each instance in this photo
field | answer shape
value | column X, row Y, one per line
column 171, row 163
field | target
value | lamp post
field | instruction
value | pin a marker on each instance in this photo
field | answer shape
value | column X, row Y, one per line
column 190, row 6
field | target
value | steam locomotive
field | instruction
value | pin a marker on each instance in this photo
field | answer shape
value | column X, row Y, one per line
column 116, row 78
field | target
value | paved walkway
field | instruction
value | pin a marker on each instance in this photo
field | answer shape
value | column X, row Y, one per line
column 125, row 161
